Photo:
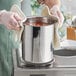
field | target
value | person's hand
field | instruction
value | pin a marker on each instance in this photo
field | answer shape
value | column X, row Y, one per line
column 53, row 9
column 56, row 12
column 10, row 20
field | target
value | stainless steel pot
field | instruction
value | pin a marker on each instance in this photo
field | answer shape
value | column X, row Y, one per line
column 37, row 41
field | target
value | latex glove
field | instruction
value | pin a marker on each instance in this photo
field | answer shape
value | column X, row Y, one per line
column 56, row 12
column 10, row 20
column 53, row 8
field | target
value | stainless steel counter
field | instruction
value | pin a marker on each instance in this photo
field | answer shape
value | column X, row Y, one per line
column 64, row 65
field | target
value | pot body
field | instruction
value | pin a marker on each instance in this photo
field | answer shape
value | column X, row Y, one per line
column 37, row 42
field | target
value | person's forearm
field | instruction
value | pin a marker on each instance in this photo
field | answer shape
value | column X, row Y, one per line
column 57, row 2
column 54, row 3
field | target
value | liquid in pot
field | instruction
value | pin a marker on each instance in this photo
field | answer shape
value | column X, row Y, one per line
column 39, row 21
column 37, row 24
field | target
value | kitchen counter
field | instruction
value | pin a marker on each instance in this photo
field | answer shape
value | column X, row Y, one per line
column 64, row 65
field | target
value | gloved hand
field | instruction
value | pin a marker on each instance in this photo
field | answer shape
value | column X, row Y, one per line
column 10, row 20
column 55, row 10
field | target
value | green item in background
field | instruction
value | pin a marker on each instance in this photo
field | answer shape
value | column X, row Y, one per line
column 35, row 6
column 6, row 42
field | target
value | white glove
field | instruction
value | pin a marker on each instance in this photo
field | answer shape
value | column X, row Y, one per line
column 56, row 12
column 10, row 19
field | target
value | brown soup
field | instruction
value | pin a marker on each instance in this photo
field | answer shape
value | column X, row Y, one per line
column 37, row 24
column 40, row 21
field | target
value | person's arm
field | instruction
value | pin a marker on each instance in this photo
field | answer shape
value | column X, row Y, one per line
column 51, row 3
column 9, row 19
